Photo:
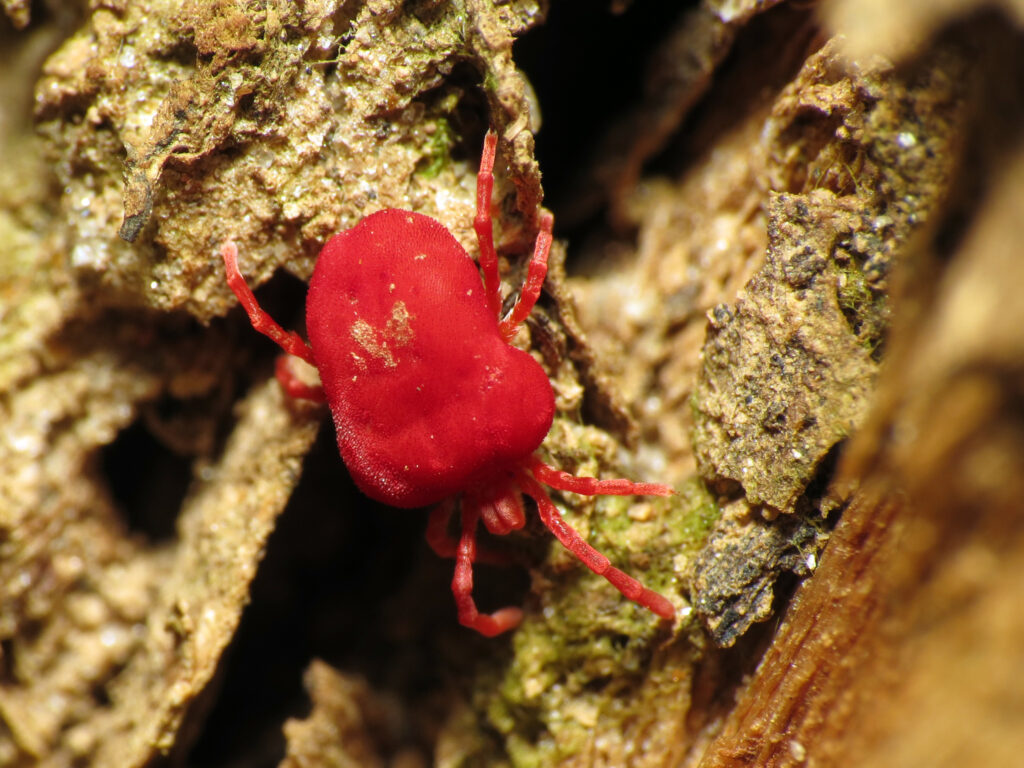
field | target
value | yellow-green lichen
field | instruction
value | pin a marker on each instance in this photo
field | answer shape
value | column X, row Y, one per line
column 585, row 654
column 865, row 309
column 436, row 149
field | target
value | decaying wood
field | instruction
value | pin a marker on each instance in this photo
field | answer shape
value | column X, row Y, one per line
column 902, row 648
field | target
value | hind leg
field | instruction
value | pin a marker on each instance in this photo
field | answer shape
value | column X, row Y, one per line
column 488, row 625
column 590, row 557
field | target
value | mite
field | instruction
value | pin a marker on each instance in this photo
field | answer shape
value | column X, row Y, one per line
column 430, row 401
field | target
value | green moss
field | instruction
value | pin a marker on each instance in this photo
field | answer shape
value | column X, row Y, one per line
column 865, row 309
column 585, row 652
column 436, row 150
column 490, row 82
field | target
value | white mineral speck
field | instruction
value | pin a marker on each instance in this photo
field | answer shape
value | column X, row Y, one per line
column 797, row 750
column 81, row 255
column 28, row 443
column 110, row 636
column 906, row 139
column 635, row 309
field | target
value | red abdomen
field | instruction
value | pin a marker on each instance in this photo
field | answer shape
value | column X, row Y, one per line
column 427, row 397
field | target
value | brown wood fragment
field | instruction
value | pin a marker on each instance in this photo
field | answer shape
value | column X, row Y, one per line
column 339, row 732
column 906, row 646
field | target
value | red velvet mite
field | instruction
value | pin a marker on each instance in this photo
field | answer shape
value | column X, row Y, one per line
column 429, row 399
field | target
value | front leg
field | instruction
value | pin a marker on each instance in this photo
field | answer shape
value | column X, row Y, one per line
column 289, row 341
column 295, row 386
column 535, row 274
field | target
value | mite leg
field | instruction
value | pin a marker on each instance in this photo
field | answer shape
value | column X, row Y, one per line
column 445, row 545
column 289, row 341
column 500, row 504
column 488, row 625
column 483, row 225
column 535, row 274
column 591, row 486
column 590, row 557
column 293, row 385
